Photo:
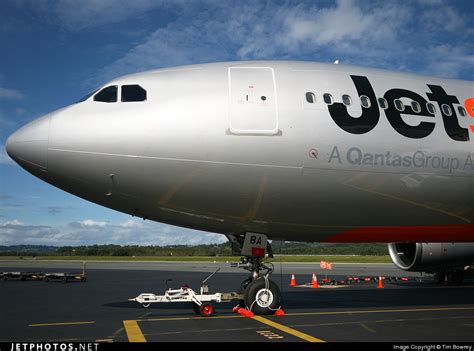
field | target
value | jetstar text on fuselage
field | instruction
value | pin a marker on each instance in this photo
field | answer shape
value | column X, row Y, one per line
column 370, row 115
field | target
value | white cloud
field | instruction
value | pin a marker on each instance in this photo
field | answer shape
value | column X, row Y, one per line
column 133, row 223
column 450, row 61
column 88, row 232
column 10, row 94
column 14, row 232
column 442, row 17
column 91, row 223
column 344, row 23
column 392, row 35
column 173, row 45
column 14, row 222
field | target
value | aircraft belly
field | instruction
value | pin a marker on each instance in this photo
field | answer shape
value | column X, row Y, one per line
column 293, row 204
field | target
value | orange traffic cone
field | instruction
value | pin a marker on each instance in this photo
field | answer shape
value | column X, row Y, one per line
column 279, row 312
column 380, row 285
column 293, row 280
column 314, row 282
column 245, row 312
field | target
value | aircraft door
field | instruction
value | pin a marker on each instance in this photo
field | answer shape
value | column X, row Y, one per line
column 252, row 101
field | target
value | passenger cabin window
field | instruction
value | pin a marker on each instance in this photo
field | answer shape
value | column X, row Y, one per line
column 415, row 106
column 346, row 100
column 328, row 99
column 383, row 103
column 462, row 111
column 431, row 108
column 133, row 93
column 365, row 101
column 446, row 109
column 310, row 97
column 108, row 94
column 399, row 105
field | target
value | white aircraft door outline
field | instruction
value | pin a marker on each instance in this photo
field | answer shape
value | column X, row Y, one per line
column 252, row 104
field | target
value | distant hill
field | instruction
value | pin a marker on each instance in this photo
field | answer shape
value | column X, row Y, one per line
column 29, row 248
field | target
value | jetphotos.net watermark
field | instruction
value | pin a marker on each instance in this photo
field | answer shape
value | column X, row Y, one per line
column 39, row 346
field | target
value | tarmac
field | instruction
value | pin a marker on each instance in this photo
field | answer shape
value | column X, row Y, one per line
column 99, row 310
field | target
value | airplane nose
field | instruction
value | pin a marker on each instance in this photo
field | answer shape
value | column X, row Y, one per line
column 28, row 146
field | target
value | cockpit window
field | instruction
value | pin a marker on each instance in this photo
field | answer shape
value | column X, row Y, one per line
column 84, row 98
column 108, row 94
column 133, row 93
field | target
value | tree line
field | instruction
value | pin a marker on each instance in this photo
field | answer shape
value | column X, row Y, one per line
column 288, row 248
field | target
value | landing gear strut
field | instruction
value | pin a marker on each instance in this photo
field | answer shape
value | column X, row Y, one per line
column 260, row 295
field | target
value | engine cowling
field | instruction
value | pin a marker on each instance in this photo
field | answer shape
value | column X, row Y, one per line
column 431, row 257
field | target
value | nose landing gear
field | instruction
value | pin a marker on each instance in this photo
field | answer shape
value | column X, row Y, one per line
column 260, row 295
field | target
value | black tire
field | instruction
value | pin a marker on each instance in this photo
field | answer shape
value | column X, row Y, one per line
column 83, row 279
column 47, row 279
column 256, row 292
column 206, row 309
column 65, row 280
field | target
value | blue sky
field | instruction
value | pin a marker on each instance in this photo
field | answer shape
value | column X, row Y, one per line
column 53, row 52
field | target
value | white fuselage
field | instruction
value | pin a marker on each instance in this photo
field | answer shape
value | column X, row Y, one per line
column 241, row 147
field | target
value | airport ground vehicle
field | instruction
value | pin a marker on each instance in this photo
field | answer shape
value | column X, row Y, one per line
column 201, row 302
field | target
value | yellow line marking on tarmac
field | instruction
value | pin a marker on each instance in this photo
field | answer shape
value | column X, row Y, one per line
column 287, row 330
column 383, row 311
column 58, row 324
column 185, row 318
column 315, row 313
column 133, row 331
column 133, row 327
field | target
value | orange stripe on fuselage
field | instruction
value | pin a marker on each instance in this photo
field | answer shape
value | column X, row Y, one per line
column 434, row 233
column 469, row 105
